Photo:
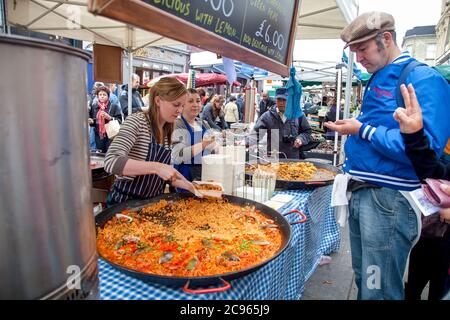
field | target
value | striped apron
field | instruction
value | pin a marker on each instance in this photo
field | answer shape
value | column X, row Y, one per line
column 144, row 186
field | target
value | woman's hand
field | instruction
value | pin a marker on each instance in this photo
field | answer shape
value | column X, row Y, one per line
column 207, row 141
column 166, row 172
column 410, row 117
column 106, row 116
column 181, row 182
column 90, row 121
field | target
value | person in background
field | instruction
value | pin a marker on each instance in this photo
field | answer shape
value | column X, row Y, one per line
column 430, row 257
column 306, row 106
column 240, row 103
column 92, row 145
column 231, row 112
column 208, row 97
column 213, row 113
column 92, row 99
column 112, row 93
column 136, row 100
column 331, row 116
column 93, row 93
column 103, row 111
column 190, row 139
column 265, row 104
column 140, row 154
column 291, row 134
column 383, row 225
column 112, row 96
column 202, row 93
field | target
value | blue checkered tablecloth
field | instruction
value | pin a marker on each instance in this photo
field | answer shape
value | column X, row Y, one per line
column 281, row 279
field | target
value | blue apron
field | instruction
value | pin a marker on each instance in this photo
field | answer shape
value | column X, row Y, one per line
column 144, row 186
column 186, row 169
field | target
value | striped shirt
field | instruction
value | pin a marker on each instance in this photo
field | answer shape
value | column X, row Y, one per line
column 132, row 142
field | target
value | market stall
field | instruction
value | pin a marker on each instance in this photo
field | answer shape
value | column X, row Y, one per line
column 282, row 278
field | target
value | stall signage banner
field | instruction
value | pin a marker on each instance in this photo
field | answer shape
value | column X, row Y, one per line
column 258, row 32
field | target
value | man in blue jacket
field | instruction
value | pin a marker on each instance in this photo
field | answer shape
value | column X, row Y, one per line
column 383, row 225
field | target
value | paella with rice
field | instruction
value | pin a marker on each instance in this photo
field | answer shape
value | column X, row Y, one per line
column 190, row 237
column 290, row 171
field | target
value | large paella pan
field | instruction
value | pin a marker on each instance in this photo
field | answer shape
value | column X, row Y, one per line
column 297, row 174
column 172, row 256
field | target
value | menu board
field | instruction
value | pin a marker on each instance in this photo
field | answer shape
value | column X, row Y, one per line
column 236, row 29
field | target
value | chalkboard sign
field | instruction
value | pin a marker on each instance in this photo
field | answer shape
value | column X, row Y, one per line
column 263, row 26
column 258, row 32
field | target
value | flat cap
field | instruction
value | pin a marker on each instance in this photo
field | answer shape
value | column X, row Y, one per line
column 367, row 26
column 281, row 93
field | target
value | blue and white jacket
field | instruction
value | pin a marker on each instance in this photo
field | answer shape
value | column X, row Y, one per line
column 377, row 155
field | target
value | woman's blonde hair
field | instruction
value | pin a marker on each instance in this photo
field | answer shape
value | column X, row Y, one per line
column 168, row 89
column 216, row 98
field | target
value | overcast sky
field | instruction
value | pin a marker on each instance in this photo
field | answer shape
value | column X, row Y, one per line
column 407, row 14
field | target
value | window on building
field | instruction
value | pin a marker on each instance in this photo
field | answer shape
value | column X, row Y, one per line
column 431, row 51
column 447, row 39
column 146, row 76
column 2, row 13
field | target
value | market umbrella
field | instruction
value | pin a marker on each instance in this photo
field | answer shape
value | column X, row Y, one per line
column 294, row 90
column 201, row 79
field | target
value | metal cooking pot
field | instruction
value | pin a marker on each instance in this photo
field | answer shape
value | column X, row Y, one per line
column 47, row 231
column 284, row 227
column 97, row 163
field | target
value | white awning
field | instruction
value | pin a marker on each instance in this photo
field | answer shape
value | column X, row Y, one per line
column 71, row 19
column 324, row 19
column 318, row 19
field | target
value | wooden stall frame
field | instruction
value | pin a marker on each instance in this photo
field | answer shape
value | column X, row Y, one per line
column 142, row 15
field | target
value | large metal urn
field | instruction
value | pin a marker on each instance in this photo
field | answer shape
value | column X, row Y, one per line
column 47, row 230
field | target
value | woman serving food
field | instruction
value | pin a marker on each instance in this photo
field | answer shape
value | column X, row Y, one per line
column 140, row 154
column 191, row 140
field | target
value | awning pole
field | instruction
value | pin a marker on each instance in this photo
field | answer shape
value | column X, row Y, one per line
column 348, row 87
column 130, row 80
column 130, row 69
column 338, row 107
column 348, row 96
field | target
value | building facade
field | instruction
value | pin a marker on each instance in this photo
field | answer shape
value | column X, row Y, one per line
column 421, row 43
column 2, row 17
column 443, row 35
column 152, row 62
